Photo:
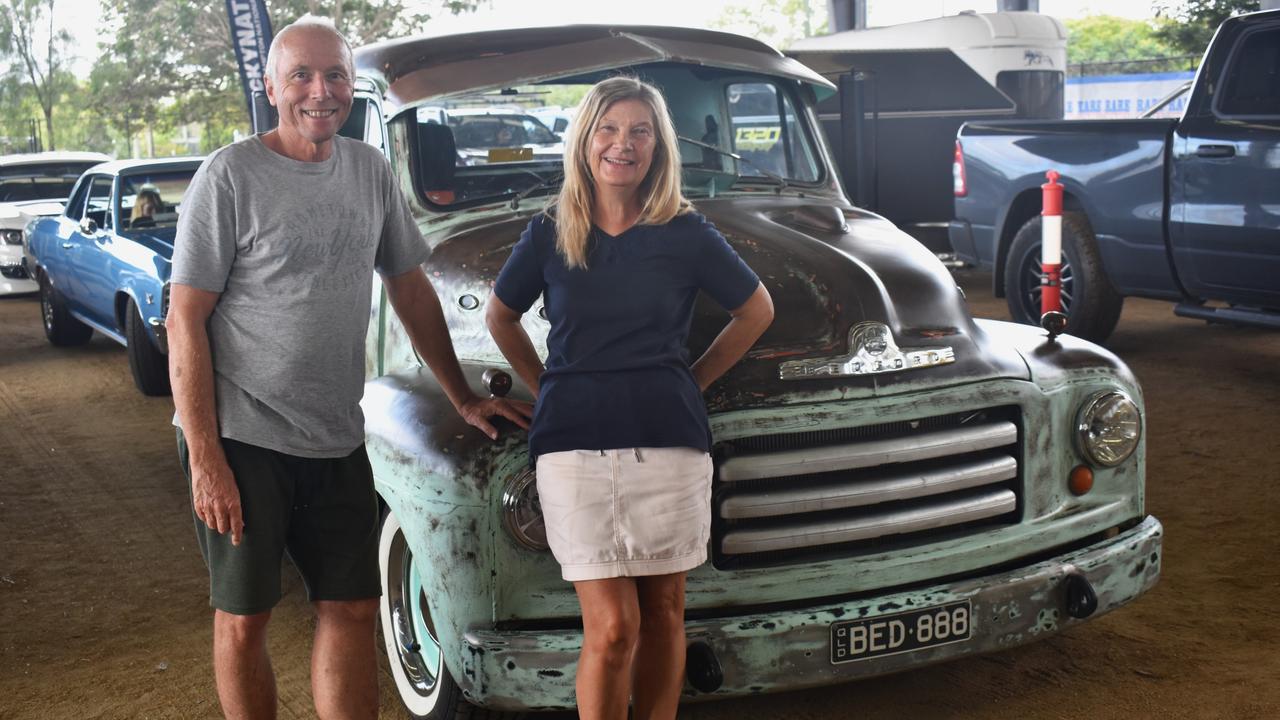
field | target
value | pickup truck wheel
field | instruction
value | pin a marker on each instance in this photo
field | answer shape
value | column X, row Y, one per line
column 60, row 327
column 422, row 680
column 1091, row 303
column 149, row 366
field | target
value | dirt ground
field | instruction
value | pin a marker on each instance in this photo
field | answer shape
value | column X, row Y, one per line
column 103, row 608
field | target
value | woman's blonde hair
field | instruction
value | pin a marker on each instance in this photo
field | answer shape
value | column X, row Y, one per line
column 661, row 199
column 145, row 197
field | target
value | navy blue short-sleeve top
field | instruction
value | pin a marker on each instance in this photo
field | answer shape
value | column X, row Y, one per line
column 617, row 368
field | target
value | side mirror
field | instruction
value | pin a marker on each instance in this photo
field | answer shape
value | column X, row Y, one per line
column 437, row 157
column 89, row 226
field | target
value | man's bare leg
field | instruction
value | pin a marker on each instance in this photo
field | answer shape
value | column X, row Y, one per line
column 241, row 666
column 344, row 660
column 659, row 663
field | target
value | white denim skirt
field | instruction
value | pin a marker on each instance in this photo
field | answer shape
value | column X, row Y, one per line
column 626, row 513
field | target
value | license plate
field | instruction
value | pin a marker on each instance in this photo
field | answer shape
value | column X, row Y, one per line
column 901, row 632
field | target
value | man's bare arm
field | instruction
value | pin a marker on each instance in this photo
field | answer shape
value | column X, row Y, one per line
column 213, row 488
column 418, row 307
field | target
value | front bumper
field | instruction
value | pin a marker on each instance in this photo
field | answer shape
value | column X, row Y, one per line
column 14, row 277
column 789, row 650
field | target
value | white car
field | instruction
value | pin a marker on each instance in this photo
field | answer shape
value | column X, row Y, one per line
column 491, row 135
column 33, row 185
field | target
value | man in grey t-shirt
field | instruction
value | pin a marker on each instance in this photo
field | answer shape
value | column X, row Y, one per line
column 272, row 272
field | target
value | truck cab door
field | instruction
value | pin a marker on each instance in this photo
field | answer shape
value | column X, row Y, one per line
column 366, row 123
column 1224, row 223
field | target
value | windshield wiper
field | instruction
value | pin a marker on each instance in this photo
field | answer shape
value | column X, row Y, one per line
column 782, row 182
column 545, row 183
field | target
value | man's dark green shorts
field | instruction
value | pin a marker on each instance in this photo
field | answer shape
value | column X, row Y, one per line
column 322, row 512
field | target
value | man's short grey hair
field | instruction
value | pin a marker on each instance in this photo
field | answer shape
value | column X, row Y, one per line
column 318, row 22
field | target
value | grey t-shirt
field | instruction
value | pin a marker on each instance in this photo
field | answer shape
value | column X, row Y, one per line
column 291, row 247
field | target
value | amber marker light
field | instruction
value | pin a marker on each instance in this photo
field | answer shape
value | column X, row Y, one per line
column 1081, row 480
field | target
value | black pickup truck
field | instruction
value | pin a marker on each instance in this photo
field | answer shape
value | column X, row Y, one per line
column 1186, row 210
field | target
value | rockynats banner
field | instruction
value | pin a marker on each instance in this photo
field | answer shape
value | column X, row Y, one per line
column 251, row 36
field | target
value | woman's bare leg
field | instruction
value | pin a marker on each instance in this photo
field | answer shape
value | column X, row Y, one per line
column 659, row 662
column 611, row 625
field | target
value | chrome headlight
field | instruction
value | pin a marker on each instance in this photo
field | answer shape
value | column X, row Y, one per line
column 11, row 237
column 1109, row 428
column 522, row 512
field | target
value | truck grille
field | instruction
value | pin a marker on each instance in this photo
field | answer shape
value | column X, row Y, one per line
column 800, row 497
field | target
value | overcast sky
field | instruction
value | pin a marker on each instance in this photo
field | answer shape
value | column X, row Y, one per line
column 81, row 17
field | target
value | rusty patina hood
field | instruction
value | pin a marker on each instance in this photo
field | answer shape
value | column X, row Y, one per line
column 827, row 268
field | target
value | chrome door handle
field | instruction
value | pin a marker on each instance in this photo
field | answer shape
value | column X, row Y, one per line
column 68, row 246
column 1216, row 151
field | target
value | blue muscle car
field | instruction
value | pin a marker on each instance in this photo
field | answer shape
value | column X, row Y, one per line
column 104, row 263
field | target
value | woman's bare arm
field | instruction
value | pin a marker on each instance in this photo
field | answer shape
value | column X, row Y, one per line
column 748, row 323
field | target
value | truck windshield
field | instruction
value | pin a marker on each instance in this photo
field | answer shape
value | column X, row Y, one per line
column 504, row 147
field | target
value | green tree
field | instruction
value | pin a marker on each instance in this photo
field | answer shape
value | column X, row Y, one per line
column 1189, row 25
column 777, row 22
column 37, row 52
column 1104, row 38
column 178, row 55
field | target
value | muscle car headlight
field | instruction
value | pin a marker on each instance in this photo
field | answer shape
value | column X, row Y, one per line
column 522, row 513
column 1109, row 428
column 11, row 237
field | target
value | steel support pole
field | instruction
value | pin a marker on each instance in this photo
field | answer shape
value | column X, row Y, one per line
column 847, row 15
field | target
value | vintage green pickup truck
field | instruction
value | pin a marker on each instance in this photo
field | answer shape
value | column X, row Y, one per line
column 896, row 483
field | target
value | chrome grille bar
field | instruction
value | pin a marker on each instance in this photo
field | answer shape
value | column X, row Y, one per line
column 942, row 443
column 869, row 526
column 847, row 492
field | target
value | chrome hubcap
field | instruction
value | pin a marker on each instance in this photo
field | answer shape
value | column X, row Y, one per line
column 46, row 307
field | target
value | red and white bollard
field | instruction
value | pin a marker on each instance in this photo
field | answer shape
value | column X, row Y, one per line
column 1051, row 245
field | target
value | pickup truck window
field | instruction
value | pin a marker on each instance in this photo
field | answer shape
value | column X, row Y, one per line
column 761, row 135
column 1251, row 85
column 100, row 201
column 373, row 133
column 354, row 126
